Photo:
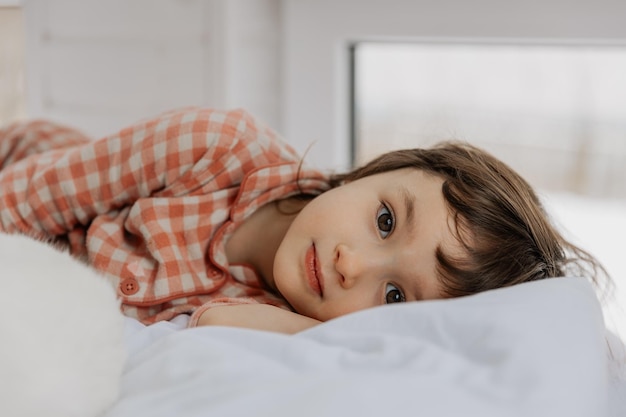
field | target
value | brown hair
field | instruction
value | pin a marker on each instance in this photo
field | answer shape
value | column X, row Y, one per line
column 499, row 220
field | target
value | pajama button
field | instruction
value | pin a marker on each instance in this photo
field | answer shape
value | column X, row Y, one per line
column 129, row 286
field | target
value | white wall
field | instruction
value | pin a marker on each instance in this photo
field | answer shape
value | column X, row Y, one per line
column 99, row 65
column 12, row 101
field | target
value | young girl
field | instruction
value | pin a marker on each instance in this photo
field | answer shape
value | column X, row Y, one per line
column 209, row 213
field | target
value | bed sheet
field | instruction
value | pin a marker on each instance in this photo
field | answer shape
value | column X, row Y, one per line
column 535, row 349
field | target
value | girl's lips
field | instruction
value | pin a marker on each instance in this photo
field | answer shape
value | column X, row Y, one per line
column 313, row 273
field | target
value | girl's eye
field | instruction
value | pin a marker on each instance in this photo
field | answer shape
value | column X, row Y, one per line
column 393, row 294
column 384, row 221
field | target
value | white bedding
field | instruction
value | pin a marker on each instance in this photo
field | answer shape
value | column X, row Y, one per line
column 538, row 349
column 599, row 226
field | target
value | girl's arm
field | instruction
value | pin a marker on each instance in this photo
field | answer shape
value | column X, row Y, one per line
column 52, row 193
column 256, row 316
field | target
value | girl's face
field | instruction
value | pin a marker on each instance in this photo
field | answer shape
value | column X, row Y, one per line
column 366, row 243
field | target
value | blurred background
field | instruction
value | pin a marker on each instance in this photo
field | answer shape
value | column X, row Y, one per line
column 539, row 83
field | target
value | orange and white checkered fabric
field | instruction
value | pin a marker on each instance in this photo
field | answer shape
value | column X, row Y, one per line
column 152, row 206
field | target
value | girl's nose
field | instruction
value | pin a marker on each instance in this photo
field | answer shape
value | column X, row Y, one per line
column 353, row 265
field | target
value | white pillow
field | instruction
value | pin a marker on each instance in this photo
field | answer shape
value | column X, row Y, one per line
column 61, row 332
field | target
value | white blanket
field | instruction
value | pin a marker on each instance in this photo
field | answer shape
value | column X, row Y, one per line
column 538, row 349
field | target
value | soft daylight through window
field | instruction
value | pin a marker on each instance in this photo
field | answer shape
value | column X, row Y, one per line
column 555, row 113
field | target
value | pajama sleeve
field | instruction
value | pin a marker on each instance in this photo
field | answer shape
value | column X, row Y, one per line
column 53, row 192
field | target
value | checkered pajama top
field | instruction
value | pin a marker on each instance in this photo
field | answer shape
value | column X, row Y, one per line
column 152, row 206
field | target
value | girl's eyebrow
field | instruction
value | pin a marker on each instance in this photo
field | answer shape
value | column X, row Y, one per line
column 409, row 207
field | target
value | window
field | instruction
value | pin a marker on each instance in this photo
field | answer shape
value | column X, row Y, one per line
column 555, row 113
